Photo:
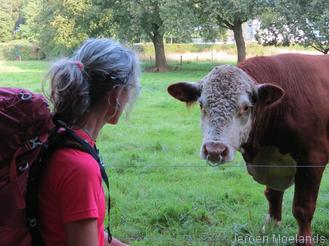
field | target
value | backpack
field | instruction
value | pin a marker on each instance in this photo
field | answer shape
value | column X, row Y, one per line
column 25, row 123
column 29, row 136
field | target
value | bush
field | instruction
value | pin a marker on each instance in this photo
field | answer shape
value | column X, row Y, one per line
column 20, row 50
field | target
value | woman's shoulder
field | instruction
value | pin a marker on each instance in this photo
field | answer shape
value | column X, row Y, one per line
column 68, row 164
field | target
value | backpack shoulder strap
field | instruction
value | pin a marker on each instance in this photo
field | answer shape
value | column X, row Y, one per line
column 32, row 188
column 84, row 146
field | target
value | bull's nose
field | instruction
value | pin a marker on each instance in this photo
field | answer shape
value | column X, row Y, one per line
column 215, row 152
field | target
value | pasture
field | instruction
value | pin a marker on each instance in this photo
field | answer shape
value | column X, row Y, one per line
column 162, row 193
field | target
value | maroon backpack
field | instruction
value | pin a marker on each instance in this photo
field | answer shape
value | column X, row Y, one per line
column 25, row 122
column 28, row 137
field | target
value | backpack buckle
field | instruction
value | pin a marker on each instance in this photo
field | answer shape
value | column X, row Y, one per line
column 33, row 143
column 22, row 168
column 25, row 96
column 32, row 222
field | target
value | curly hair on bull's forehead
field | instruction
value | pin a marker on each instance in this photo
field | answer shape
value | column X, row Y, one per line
column 221, row 90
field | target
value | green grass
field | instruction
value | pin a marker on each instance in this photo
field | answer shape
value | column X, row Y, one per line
column 162, row 193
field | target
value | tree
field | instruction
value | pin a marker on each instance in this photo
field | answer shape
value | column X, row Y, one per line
column 30, row 11
column 5, row 21
column 9, row 14
column 60, row 26
column 135, row 19
column 229, row 14
column 305, row 22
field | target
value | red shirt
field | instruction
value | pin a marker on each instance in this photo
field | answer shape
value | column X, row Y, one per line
column 71, row 190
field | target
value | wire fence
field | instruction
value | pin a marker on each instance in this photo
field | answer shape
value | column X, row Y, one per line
column 219, row 166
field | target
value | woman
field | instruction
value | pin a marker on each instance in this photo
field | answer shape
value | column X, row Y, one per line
column 88, row 90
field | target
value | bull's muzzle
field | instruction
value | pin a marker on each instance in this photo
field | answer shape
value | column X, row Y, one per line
column 215, row 152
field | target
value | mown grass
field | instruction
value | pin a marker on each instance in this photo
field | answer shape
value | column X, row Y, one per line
column 162, row 193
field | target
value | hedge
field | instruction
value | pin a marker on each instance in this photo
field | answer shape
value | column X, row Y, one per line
column 20, row 50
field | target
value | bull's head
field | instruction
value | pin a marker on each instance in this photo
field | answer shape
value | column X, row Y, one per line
column 226, row 96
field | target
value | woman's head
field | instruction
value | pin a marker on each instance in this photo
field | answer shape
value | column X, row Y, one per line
column 100, row 71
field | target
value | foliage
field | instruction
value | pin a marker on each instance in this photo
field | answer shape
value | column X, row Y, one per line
column 29, row 12
column 225, row 13
column 137, row 20
column 5, row 22
column 216, row 15
column 298, row 21
column 162, row 193
column 9, row 14
column 60, row 26
column 134, row 21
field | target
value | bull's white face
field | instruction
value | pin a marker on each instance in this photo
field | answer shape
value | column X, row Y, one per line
column 224, row 134
column 226, row 101
column 226, row 96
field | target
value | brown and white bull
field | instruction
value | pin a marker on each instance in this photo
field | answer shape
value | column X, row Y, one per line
column 275, row 111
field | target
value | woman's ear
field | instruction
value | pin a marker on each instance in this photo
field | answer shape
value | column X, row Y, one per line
column 116, row 102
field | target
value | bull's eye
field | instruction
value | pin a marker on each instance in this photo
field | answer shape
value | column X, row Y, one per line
column 202, row 108
column 244, row 108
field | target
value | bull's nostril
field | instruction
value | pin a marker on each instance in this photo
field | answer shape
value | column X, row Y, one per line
column 224, row 152
column 205, row 151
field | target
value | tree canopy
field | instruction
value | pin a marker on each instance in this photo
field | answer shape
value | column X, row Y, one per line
column 305, row 22
column 61, row 25
column 150, row 19
column 9, row 15
column 229, row 14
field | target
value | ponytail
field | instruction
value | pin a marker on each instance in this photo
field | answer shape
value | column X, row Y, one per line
column 69, row 91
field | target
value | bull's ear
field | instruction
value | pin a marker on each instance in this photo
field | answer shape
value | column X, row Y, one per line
column 269, row 94
column 185, row 92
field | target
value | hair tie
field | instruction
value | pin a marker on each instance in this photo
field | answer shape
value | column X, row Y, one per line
column 80, row 65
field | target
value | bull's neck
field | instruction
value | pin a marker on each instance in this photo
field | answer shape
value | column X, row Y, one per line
column 262, row 133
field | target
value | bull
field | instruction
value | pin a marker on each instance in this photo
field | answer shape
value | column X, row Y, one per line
column 275, row 111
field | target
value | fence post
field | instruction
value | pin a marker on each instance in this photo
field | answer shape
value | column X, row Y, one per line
column 181, row 60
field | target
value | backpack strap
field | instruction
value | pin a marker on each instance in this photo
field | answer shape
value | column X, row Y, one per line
column 92, row 151
column 66, row 139
column 19, row 197
column 33, row 183
column 84, row 146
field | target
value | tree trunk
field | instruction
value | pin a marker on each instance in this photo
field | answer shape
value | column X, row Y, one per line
column 160, row 57
column 239, row 41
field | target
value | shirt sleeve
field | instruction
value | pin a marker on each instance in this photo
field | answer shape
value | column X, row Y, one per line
column 78, row 186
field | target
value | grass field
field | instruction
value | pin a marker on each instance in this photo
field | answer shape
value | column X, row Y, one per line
column 162, row 193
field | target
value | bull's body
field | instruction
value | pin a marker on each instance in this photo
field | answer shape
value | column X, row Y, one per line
column 299, row 124
column 290, row 117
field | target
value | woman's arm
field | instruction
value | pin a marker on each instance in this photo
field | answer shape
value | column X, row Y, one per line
column 82, row 233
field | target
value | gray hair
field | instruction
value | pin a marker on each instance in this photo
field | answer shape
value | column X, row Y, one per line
column 80, row 82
